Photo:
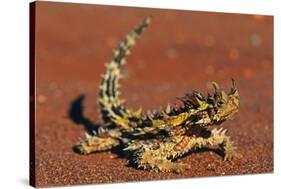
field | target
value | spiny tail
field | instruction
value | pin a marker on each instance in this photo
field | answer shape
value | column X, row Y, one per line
column 112, row 107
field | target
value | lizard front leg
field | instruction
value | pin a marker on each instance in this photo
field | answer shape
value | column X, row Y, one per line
column 219, row 138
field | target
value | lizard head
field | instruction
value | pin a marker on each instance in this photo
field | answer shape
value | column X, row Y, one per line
column 214, row 109
column 224, row 105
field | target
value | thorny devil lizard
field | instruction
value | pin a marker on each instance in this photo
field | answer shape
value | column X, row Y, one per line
column 155, row 140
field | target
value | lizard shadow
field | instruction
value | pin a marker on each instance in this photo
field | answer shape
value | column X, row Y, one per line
column 76, row 114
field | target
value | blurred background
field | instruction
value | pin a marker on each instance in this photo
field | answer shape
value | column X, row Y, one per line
column 181, row 51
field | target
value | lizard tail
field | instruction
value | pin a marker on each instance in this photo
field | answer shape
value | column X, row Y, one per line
column 112, row 107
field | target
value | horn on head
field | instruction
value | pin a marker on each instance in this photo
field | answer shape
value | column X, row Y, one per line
column 233, row 89
column 216, row 87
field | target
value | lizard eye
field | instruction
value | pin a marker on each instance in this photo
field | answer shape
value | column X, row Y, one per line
column 220, row 103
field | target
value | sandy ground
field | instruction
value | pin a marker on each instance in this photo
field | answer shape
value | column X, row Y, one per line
column 181, row 51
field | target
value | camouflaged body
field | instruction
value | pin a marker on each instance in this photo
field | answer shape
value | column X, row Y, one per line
column 155, row 139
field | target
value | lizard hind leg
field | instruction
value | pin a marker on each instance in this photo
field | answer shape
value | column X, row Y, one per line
column 95, row 144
